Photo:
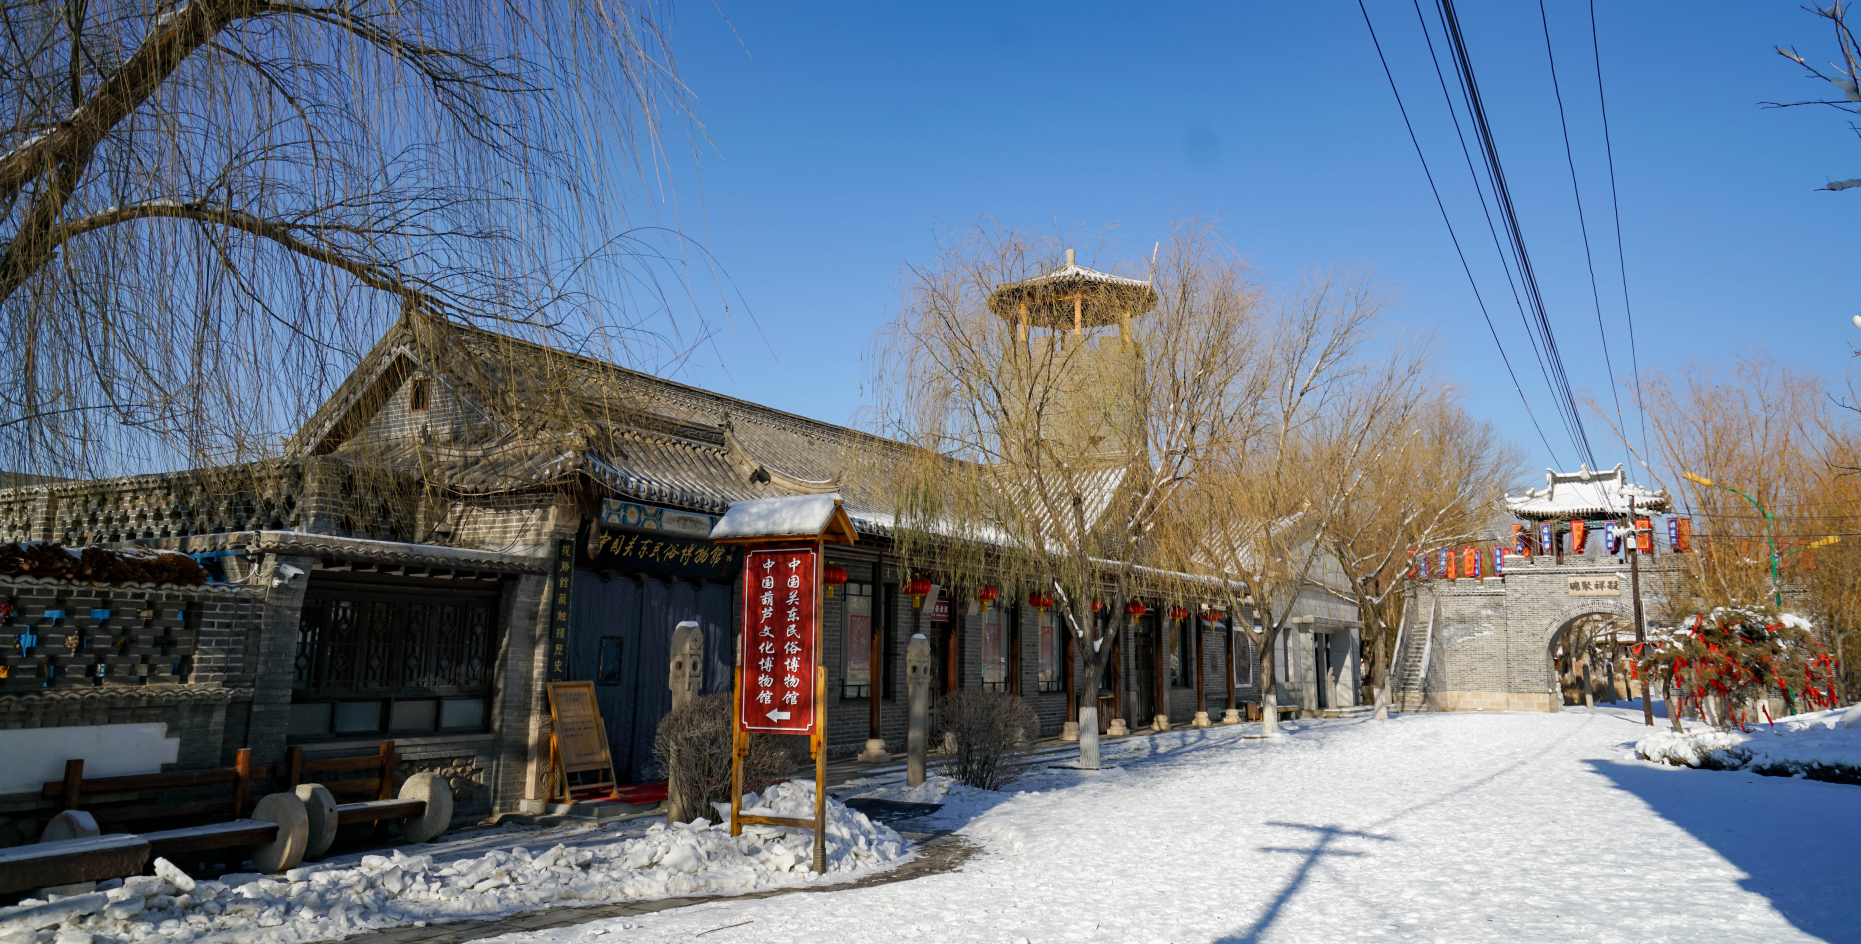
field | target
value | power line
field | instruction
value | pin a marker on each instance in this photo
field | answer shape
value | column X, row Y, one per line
column 1583, row 224
column 1540, row 320
column 1416, row 142
column 1602, row 102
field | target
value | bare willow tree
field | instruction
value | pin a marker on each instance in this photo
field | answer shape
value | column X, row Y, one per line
column 1057, row 410
column 1435, row 476
column 1843, row 74
column 1263, row 508
column 210, row 208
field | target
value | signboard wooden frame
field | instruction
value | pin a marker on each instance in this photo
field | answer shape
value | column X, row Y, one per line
column 577, row 741
column 837, row 530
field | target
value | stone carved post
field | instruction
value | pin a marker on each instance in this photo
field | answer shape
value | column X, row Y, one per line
column 685, row 678
column 918, row 682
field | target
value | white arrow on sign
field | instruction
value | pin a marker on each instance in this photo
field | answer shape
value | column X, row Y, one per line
column 778, row 716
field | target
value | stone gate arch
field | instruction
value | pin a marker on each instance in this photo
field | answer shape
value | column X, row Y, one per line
column 1621, row 608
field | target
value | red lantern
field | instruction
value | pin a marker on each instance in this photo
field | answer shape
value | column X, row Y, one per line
column 988, row 594
column 1135, row 609
column 1039, row 601
column 1097, row 605
column 833, row 576
column 1214, row 616
column 918, row 588
column 1178, row 613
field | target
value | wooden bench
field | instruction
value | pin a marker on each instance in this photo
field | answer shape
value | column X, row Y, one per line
column 295, row 775
column 91, row 859
column 71, row 792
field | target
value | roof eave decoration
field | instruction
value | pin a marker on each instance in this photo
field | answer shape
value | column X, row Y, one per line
column 755, row 470
column 788, row 518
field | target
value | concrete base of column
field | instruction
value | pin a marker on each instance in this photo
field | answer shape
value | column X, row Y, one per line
column 1233, row 716
column 1201, row 720
column 1117, row 728
column 874, row 753
column 1069, row 731
column 1160, row 723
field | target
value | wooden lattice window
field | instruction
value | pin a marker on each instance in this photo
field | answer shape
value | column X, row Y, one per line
column 398, row 661
column 419, row 394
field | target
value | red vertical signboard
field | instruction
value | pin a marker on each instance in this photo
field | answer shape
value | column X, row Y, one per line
column 781, row 640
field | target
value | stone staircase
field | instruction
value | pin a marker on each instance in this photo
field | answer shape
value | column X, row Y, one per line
column 1407, row 694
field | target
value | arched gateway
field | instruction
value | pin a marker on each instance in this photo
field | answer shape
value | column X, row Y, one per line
column 1491, row 642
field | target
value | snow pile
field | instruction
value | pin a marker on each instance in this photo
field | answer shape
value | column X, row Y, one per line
column 1818, row 745
column 323, row 903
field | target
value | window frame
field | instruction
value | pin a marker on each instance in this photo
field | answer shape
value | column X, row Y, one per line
column 848, row 591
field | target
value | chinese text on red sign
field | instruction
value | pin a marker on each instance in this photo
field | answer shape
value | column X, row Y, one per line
column 780, row 640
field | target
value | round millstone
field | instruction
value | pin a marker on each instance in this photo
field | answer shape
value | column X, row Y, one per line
column 287, row 849
column 70, row 824
column 434, row 820
column 320, row 806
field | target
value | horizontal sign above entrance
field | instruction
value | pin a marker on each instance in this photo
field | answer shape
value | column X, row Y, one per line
column 1593, row 586
column 667, row 555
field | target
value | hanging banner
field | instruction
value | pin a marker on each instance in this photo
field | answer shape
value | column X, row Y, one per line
column 1521, row 542
column 1610, row 541
column 1546, row 539
column 1682, row 533
column 1444, row 563
column 781, row 639
column 1644, row 535
column 1579, row 536
column 1499, row 560
column 1418, row 565
column 1470, row 563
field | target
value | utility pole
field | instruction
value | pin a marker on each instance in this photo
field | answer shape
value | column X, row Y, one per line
column 1641, row 635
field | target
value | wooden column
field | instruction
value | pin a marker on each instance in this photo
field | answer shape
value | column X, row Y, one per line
column 953, row 650
column 876, row 671
column 1234, row 649
column 1078, row 310
column 1116, row 667
column 1201, row 702
column 1163, row 670
column 1014, row 648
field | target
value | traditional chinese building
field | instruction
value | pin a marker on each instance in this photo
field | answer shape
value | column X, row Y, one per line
column 416, row 568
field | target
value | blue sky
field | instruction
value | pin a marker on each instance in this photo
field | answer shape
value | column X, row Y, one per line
column 841, row 137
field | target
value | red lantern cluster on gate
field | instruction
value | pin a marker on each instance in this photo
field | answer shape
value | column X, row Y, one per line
column 1039, row 601
column 833, row 575
column 988, row 594
column 1178, row 613
column 918, row 589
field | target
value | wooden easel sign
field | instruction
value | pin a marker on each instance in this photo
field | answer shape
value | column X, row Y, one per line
column 578, row 754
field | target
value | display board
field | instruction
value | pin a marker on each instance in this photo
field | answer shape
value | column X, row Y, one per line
column 781, row 640
column 578, row 742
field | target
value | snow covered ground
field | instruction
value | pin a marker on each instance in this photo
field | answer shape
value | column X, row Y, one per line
column 497, row 872
column 1819, row 742
column 1461, row 827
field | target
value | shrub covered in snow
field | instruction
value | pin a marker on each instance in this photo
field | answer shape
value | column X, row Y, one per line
column 325, row 903
column 1822, row 745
